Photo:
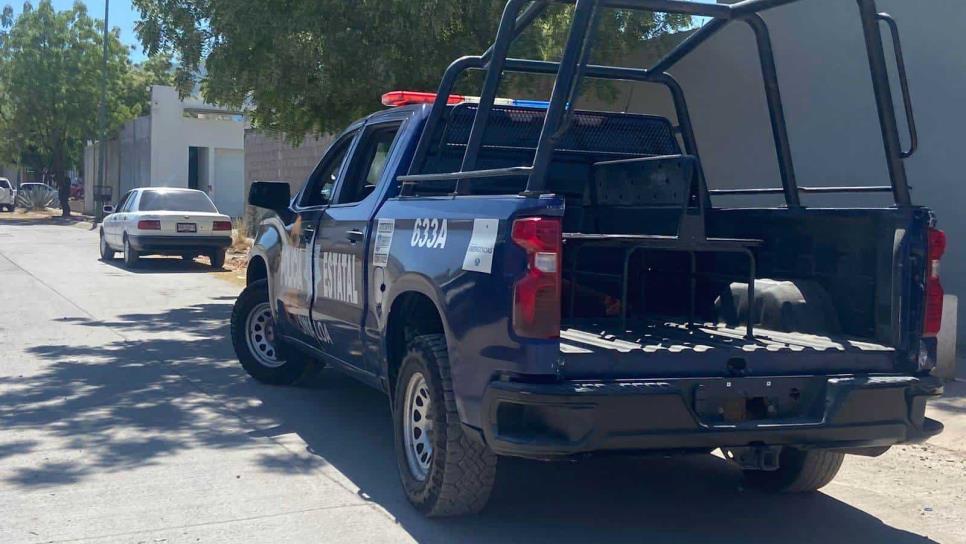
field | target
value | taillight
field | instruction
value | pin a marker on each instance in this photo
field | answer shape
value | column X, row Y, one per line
column 221, row 225
column 934, row 289
column 536, row 296
column 149, row 224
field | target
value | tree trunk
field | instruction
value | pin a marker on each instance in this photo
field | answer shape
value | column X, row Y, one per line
column 63, row 184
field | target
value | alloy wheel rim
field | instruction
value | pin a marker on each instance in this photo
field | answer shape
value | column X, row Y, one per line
column 260, row 335
column 418, row 427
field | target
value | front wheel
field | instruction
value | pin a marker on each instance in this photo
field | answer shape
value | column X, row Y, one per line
column 107, row 254
column 443, row 471
column 799, row 471
column 256, row 342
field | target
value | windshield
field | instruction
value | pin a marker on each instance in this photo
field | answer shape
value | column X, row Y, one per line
column 180, row 201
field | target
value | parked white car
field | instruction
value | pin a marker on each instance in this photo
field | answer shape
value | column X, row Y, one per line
column 164, row 221
column 8, row 195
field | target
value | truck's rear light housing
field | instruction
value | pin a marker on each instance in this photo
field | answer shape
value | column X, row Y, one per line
column 149, row 224
column 536, row 296
column 934, row 289
column 221, row 225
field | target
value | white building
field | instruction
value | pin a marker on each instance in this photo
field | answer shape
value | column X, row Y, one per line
column 182, row 143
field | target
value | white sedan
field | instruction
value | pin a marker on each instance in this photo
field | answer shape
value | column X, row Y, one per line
column 164, row 221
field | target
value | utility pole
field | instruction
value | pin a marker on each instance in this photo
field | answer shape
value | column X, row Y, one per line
column 102, row 126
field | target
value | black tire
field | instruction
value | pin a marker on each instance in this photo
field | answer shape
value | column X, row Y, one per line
column 107, row 254
column 217, row 258
column 289, row 368
column 461, row 470
column 799, row 471
column 131, row 255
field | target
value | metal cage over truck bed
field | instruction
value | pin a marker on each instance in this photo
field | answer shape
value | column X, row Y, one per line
column 472, row 127
column 573, row 67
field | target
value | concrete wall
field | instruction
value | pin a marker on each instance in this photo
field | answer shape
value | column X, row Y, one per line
column 832, row 120
column 269, row 158
column 111, row 174
column 135, row 154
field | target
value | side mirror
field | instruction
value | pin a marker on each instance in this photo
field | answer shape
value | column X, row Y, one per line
column 108, row 210
column 270, row 195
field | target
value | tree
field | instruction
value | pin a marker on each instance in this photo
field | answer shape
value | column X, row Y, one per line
column 50, row 76
column 312, row 66
column 156, row 70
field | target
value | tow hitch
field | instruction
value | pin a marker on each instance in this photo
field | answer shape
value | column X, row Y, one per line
column 755, row 458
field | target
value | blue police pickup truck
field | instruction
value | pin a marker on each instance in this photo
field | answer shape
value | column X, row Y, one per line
column 535, row 280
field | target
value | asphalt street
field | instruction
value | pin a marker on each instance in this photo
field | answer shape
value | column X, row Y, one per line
column 124, row 417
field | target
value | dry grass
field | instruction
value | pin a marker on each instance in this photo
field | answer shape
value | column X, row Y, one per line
column 236, row 261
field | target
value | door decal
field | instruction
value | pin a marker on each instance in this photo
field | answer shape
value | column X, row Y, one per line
column 338, row 272
column 383, row 242
column 479, row 252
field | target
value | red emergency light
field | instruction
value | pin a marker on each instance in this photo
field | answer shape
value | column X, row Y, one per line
column 405, row 98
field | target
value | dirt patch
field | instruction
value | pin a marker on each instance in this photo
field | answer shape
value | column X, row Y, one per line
column 50, row 216
column 236, row 259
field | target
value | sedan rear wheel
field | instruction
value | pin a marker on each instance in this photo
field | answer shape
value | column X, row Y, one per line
column 131, row 255
column 217, row 258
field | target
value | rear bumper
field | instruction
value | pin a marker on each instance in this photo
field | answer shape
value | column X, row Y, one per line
column 178, row 244
column 847, row 412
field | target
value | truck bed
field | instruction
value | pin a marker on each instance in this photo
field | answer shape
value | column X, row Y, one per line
column 669, row 348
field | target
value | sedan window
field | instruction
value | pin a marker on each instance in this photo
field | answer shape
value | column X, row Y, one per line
column 179, row 201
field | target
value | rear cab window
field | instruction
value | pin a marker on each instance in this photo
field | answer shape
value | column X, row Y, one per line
column 180, row 201
column 4, row 184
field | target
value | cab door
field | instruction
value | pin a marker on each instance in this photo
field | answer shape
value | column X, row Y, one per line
column 341, row 293
column 296, row 277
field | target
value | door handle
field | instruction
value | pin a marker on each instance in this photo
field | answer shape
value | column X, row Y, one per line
column 308, row 232
column 354, row 235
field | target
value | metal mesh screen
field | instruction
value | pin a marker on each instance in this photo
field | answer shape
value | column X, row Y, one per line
column 599, row 132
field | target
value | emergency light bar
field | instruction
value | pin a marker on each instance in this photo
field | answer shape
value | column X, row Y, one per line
column 406, row 98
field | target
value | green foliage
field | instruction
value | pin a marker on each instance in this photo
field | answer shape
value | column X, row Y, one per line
column 313, row 66
column 50, row 76
column 156, row 70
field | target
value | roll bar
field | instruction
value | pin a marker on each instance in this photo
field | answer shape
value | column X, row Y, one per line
column 518, row 15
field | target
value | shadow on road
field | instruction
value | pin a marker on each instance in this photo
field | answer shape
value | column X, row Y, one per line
column 166, row 265
column 129, row 404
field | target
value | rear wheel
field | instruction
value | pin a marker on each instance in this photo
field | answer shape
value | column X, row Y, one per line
column 799, row 471
column 131, row 255
column 257, row 345
column 443, row 471
column 217, row 258
column 107, row 254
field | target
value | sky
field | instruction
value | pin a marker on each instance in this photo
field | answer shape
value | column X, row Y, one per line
column 122, row 15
